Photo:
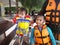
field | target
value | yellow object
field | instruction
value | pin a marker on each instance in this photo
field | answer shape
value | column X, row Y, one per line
column 2, row 9
column 23, row 27
column 28, row 18
column 18, row 32
column 17, row 18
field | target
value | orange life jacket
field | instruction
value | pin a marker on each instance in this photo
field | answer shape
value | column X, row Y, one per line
column 53, row 12
column 41, row 37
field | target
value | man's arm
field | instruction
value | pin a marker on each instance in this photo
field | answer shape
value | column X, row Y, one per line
column 51, row 36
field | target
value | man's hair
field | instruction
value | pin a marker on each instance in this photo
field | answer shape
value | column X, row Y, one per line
column 23, row 9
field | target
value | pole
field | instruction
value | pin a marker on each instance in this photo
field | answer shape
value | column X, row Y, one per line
column 10, row 7
column 17, row 6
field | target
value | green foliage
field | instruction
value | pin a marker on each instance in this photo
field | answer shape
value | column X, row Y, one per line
column 31, row 4
column 12, row 8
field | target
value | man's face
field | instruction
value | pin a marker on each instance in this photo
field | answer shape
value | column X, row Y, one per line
column 40, row 20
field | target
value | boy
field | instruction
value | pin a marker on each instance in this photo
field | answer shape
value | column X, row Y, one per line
column 41, row 34
column 21, row 16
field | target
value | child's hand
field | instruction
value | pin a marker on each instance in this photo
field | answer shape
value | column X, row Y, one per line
column 5, row 18
column 10, row 20
column 32, row 44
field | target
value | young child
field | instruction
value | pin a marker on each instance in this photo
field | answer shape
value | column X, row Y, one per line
column 41, row 34
column 22, row 23
column 22, row 13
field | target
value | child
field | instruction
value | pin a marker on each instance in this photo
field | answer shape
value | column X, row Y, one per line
column 21, row 14
column 23, row 25
column 41, row 34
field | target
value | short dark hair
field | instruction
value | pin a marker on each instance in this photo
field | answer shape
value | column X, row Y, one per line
column 40, row 15
column 23, row 9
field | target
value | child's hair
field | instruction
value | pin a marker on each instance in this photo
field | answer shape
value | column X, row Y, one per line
column 40, row 15
column 23, row 9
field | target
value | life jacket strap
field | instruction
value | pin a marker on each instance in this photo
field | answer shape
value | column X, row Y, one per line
column 42, row 37
column 43, row 44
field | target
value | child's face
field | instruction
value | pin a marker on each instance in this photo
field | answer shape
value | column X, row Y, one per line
column 40, row 20
column 22, row 14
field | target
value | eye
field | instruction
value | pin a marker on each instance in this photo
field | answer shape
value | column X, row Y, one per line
column 40, row 20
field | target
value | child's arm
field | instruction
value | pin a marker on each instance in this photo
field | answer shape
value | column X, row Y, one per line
column 51, row 36
column 10, row 20
column 32, row 44
column 32, row 37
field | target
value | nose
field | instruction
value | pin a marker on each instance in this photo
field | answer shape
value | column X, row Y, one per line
column 39, row 20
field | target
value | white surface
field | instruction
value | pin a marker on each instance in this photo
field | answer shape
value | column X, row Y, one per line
column 10, row 30
column 12, row 42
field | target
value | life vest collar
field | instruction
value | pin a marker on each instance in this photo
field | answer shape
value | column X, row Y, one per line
column 36, row 27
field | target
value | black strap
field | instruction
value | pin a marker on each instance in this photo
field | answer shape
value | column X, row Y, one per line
column 42, row 37
column 44, row 44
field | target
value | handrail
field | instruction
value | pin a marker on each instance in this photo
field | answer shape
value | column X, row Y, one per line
column 10, row 30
